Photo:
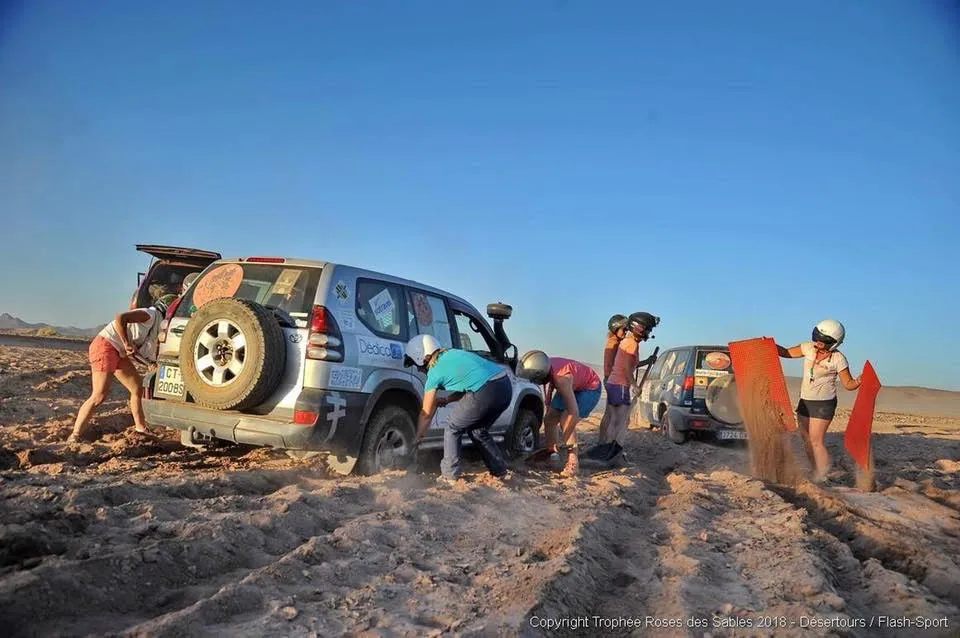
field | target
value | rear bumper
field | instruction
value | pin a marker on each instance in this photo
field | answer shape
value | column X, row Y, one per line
column 335, row 422
column 685, row 421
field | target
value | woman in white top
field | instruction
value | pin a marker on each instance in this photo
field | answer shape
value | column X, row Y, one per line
column 132, row 335
column 823, row 364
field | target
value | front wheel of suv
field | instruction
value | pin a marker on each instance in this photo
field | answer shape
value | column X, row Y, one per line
column 524, row 436
column 388, row 442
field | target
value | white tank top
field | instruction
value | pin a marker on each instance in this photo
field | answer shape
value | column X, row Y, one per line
column 142, row 336
column 820, row 378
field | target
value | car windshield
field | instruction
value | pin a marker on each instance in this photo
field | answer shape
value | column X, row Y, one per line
column 289, row 288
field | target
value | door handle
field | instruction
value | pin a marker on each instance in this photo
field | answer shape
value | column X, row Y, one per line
column 179, row 330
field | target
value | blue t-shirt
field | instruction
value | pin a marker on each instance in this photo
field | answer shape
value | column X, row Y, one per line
column 460, row 371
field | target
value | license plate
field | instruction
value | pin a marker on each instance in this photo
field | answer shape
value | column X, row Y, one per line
column 731, row 434
column 169, row 382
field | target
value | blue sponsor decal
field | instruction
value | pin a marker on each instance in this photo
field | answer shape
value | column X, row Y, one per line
column 381, row 349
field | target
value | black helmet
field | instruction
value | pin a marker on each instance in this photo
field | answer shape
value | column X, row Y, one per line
column 644, row 319
column 617, row 322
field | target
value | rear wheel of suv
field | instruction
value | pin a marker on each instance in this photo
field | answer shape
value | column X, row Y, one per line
column 670, row 430
column 524, row 434
column 388, row 442
column 232, row 354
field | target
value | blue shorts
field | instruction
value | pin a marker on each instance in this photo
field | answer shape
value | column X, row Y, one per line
column 617, row 394
column 587, row 400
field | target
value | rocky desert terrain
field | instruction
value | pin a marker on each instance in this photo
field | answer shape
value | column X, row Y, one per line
column 124, row 536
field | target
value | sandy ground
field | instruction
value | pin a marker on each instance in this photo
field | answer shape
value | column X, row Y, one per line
column 123, row 537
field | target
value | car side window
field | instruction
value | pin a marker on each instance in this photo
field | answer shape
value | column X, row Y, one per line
column 657, row 367
column 378, row 307
column 680, row 365
column 472, row 337
column 668, row 362
column 427, row 315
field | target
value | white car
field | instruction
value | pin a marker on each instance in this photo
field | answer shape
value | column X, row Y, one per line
column 308, row 356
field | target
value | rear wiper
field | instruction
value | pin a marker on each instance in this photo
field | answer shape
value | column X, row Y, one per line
column 285, row 318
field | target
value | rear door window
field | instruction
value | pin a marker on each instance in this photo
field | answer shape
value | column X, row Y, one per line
column 288, row 288
column 680, row 365
column 427, row 315
column 379, row 307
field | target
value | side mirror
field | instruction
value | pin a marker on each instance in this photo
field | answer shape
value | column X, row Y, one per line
column 510, row 354
column 140, row 276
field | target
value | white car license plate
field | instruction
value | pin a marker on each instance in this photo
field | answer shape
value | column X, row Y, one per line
column 169, row 382
column 731, row 434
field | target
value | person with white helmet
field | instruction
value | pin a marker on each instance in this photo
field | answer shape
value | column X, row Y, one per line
column 131, row 336
column 481, row 390
column 823, row 364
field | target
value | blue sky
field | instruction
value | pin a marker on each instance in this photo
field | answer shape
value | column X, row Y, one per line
column 740, row 169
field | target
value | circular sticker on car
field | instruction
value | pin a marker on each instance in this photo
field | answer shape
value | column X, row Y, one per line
column 223, row 281
column 717, row 360
column 422, row 309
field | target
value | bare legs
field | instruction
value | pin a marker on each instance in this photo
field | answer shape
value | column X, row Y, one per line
column 127, row 374
column 101, row 385
column 814, row 432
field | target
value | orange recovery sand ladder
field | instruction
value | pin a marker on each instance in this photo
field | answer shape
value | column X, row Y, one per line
column 759, row 374
column 860, row 426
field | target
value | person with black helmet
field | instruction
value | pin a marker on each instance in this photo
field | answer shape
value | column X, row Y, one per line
column 131, row 336
column 823, row 364
column 616, row 331
column 639, row 327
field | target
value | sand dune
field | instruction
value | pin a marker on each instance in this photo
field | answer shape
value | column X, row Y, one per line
column 119, row 536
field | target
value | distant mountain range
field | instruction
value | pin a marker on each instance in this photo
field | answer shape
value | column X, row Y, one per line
column 14, row 324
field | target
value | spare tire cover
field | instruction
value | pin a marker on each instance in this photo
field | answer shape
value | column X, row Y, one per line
column 722, row 401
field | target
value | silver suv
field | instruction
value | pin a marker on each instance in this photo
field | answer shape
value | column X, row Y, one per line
column 307, row 356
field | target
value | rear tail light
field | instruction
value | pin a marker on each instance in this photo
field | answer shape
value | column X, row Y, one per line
column 697, row 423
column 688, row 384
column 171, row 309
column 302, row 417
column 325, row 342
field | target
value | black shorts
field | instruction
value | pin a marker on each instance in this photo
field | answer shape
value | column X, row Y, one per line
column 817, row 409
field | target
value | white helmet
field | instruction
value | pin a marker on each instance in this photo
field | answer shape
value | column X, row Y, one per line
column 421, row 347
column 830, row 332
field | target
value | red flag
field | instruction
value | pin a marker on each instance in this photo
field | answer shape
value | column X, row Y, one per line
column 760, row 376
column 860, row 426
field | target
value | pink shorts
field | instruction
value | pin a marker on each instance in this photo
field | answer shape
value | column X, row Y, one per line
column 103, row 356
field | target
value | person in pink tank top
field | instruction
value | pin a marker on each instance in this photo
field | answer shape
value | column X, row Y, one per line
column 571, row 393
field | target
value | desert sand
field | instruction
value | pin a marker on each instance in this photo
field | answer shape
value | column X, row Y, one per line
column 119, row 536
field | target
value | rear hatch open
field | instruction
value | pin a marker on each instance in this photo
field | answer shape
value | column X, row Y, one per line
column 193, row 256
column 714, row 386
column 289, row 290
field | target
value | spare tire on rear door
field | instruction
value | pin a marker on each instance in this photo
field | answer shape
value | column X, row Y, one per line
column 232, row 354
column 722, row 401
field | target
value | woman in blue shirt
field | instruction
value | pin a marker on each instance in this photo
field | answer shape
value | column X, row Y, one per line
column 481, row 389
